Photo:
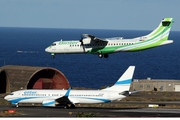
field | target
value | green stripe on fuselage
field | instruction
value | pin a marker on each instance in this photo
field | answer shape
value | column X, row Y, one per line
column 104, row 50
column 148, row 46
column 151, row 45
column 161, row 27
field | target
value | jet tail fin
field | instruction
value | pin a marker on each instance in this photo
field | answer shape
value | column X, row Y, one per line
column 124, row 82
column 157, row 37
column 163, row 29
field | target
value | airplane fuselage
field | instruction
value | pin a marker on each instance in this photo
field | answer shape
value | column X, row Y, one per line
column 70, row 97
column 74, row 47
column 77, row 96
column 105, row 46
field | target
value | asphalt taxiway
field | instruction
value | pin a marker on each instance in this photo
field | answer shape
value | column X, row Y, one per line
column 40, row 111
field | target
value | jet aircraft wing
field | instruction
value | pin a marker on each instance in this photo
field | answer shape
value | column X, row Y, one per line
column 64, row 99
column 95, row 38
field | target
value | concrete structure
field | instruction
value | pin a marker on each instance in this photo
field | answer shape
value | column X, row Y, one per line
column 14, row 77
column 155, row 85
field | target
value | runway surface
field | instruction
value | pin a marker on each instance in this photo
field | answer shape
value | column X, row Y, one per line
column 39, row 111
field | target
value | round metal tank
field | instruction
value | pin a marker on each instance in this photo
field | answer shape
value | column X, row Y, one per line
column 14, row 77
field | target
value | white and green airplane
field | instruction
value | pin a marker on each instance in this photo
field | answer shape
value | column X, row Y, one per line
column 104, row 46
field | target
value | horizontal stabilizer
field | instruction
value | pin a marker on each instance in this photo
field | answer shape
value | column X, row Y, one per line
column 125, row 93
column 136, row 91
column 167, row 42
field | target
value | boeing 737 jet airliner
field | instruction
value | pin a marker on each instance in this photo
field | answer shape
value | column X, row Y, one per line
column 68, row 98
column 105, row 46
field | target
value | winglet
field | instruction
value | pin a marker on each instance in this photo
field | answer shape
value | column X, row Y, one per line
column 67, row 93
column 64, row 99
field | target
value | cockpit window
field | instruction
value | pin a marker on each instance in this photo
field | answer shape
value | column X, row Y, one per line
column 54, row 44
column 11, row 94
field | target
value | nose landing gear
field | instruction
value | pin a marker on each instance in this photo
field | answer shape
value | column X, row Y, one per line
column 52, row 55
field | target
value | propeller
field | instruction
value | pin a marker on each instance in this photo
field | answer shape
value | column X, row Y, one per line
column 82, row 44
column 81, row 40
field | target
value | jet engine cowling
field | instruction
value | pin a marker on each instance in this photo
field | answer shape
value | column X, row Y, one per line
column 51, row 103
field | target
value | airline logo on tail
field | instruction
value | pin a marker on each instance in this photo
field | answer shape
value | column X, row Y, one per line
column 124, row 82
column 156, row 38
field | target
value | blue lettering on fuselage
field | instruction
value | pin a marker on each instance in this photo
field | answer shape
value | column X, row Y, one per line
column 67, row 42
column 30, row 92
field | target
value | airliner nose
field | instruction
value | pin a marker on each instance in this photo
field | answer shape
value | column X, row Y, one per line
column 6, row 97
column 47, row 49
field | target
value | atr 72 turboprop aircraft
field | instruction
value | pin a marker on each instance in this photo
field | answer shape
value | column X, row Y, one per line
column 105, row 46
column 68, row 98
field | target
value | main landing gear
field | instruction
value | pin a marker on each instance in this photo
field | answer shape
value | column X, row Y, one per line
column 66, row 106
column 100, row 55
column 17, row 104
column 69, row 106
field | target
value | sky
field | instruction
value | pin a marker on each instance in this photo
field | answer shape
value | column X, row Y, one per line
column 89, row 14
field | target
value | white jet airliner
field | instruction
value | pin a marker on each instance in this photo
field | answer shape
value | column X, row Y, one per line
column 68, row 98
column 105, row 46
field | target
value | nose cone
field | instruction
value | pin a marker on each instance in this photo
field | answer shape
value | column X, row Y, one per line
column 47, row 49
column 6, row 97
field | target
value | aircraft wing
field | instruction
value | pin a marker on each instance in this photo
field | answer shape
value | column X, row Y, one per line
column 94, row 38
column 64, row 99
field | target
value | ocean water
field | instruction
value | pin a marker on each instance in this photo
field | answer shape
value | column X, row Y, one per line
column 25, row 46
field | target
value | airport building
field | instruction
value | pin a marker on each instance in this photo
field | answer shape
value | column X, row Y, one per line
column 156, row 85
column 14, row 78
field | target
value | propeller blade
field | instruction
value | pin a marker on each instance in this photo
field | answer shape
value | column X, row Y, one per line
column 81, row 40
column 82, row 44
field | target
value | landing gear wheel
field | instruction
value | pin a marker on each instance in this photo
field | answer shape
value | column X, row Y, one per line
column 17, row 105
column 105, row 55
column 72, row 106
column 66, row 106
column 52, row 55
column 100, row 55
